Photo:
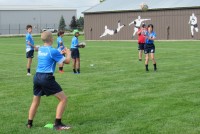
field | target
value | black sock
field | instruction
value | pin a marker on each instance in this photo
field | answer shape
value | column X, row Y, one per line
column 28, row 70
column 60, row 68
column 147, row 67
column 30, row 122
column 74, row 70
column 155, row 68
column 57, row 121
column 78, row 70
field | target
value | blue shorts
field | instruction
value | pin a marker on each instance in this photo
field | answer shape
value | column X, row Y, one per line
column 149, row 48
column 75, row 53
column 45, row 84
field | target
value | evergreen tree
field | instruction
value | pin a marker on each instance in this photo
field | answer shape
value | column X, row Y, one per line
column 73, row 24
column 80, row 23
column 62, row 24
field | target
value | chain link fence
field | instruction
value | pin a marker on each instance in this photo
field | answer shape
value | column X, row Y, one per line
column 6, row 29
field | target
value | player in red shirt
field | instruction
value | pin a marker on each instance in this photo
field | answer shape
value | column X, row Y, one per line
column 141, row 40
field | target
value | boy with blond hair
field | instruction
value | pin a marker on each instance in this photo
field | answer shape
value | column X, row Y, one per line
column 44, row 80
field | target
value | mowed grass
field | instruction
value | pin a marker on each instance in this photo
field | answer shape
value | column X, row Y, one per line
column 114, row 96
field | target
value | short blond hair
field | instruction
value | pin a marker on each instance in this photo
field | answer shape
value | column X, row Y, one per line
column 46, row 36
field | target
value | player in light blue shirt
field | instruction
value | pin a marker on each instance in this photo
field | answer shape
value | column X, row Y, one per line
column 29, row 48
column 44, row 80
column 75, row 53
column 149, row 47
column 60, row 47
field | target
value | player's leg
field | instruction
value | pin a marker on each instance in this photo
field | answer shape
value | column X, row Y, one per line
column 140, row 55
column 192, row 31
column 28, row 66
column 78, row 61
column 154, row 61
column 146, row 61
column 135, row 31
column 78, row 65
column 61, row 68
column 61, row 105
column 196, row 29
column 119, row 27
column 33, row 110
column 74, row 65
column 58, row 125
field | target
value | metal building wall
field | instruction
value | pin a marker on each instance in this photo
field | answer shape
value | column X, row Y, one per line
column 168, row 24
column 14, row 22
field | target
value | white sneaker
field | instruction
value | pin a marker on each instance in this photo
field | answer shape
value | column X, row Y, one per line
column 28, row 74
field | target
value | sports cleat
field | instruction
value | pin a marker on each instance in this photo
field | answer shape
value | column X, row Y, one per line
column 28, row 74
column 61, row 71
column 29, row 125
column 61, row 127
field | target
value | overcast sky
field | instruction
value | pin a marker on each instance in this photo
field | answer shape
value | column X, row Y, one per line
column 80, row 5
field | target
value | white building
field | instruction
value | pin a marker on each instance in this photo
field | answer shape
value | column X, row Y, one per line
column 13, row 19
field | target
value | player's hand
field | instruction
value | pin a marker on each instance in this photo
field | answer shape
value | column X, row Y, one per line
column 66, row 51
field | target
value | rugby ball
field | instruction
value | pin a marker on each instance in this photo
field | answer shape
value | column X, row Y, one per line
column 82, row 44
column 144, row 7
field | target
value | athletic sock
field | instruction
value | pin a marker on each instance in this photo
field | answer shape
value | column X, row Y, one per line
column 30, row 122
column 155, row 68
column 74, row 70
column 147, row 67
column 60, row 68
column 57, row 121
column 78, row 70
column 28, row 70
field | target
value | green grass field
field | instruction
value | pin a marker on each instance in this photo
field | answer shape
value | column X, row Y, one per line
column 115, row 96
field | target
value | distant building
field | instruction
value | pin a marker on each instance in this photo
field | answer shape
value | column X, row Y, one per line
column 13, row 19
column 170, row 19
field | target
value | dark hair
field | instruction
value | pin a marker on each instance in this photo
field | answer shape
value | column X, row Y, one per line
column 28, row 26
column 150, row 25
column 60, row 33
column 143, row 25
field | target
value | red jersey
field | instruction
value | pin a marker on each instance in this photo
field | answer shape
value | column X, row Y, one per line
column 141, row 35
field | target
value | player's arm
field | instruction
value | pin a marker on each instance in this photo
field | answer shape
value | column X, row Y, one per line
column 131, row 23
column 29, row 43
column 139, row 32
column 67, row 52
column 152, row 37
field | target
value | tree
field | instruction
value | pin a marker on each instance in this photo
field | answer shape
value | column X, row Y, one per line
column 73, row 24
column 102, row 1
column 62, row 24
column 80, row 23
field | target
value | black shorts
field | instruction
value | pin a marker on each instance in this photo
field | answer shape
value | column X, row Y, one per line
column 30, row 54
column 75, row 53
column 195, row 26
column 149, row 48
column 45, row 84
column 140, row 46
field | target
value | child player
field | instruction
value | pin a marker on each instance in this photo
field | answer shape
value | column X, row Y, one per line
column 75, row 53
column 149, row 47
column 44, row 80
column 141, row 40
column 29, row 48
column 60, row 47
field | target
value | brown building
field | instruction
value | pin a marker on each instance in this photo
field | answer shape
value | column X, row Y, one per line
column 172, row 19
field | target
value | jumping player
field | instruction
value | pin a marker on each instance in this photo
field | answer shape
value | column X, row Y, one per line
column 60, row 47
column 29, row 48
column 44, row 80
column 193, row 23
column 112, row 32
column 141, row 40
column 137, row 23
column 149, row 47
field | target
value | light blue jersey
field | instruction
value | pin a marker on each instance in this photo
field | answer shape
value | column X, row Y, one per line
column 59, row 39
column 47, row 59
column 29, row 38
column 150, row 35
column 74, row 43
